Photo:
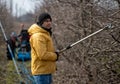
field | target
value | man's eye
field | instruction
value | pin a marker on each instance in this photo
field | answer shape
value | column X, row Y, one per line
column 48, row 21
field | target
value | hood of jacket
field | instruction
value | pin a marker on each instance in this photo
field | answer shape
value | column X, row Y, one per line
column 36, row 29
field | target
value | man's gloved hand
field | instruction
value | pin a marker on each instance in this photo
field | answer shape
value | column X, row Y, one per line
column 7, row 41
column 57, row 53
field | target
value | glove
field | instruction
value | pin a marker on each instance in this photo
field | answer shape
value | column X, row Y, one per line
column 7, row 41
column 57, row 53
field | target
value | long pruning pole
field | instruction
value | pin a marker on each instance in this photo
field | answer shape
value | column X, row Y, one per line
column 10, row 50
column 70, row 46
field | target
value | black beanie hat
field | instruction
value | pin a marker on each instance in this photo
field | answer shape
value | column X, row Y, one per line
column 43, row 17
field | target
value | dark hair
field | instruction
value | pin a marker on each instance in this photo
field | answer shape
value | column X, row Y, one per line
column 43, row 17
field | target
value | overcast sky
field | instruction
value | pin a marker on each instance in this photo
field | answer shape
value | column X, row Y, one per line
column 24, row 6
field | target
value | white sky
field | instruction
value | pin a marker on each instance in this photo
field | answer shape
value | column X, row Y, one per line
column 24, row 6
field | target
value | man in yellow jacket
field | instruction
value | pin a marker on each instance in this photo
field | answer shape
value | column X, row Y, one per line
column 43, row 54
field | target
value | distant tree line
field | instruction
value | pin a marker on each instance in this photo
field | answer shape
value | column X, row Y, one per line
column 6, row 17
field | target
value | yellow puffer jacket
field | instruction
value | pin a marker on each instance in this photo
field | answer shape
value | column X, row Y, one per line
column 42, row 51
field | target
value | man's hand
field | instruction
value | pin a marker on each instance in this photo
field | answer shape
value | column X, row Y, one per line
column 57, row 53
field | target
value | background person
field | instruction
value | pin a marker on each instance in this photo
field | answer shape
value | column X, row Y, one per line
column 12, row 42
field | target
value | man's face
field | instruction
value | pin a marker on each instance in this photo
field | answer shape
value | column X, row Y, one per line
column 47, row 23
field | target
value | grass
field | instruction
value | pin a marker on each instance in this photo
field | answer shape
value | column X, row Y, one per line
column 8, row 73
column 12, row 75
